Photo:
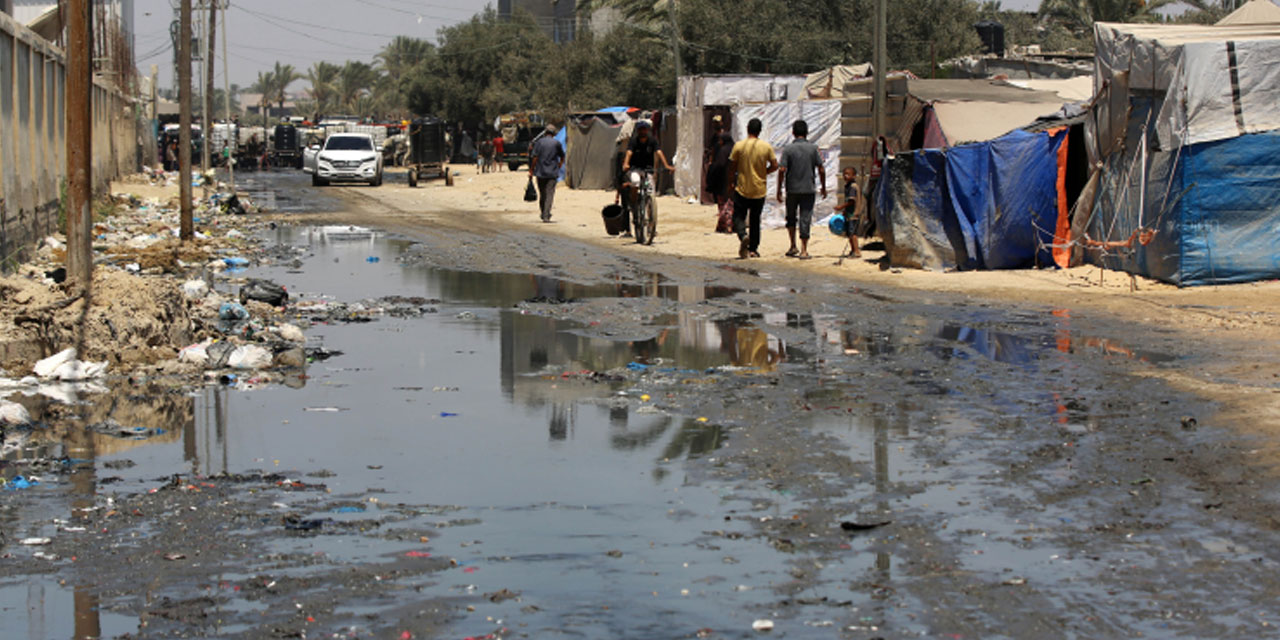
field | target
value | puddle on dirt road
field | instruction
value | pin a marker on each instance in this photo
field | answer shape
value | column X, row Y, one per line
column 283, row 191
column 563, row 491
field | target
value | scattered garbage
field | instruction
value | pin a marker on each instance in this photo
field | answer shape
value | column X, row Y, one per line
column 249, row 356
column 863, row 526
column 13, row 414
column 64, row 366
column 762, row 624
column 233, row 311
column 35, row 542
column 291, row 333
column 264, row 291
column 197, row 354
column 195, row 289
column 20, row 482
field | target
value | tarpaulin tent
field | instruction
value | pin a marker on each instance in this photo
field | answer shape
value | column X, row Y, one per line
column 829, row 83
column 1188, row 144
column 823, row 118
column 592, row 137
column 986, row 205
column 1254, row 12
column 696, row 94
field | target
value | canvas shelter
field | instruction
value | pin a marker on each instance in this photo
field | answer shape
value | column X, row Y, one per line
column 699, row 98
column 829, row 83
column 980, row 109
column 823, row 118
column 592, row 145
column 1186, row 134
column 1254, row 12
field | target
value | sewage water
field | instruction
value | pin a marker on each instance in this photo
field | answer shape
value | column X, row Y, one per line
column 574, row 495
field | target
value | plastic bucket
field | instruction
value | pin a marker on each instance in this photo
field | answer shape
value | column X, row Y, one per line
column 836, row 225
column 614, row 222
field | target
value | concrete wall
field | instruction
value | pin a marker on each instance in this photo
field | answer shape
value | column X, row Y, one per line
column 33, row 138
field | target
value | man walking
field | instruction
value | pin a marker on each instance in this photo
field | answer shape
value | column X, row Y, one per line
column 547, row 158
column 750, row 163
column 799, row 160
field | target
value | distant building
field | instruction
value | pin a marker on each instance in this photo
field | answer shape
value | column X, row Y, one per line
column 561, row 19
column 6, row 6
column 26, row 11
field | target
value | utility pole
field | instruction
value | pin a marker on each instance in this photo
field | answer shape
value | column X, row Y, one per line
column 186, row 229
column 79, row 124
column 672, row 7
column 209, row 48
column 233, row 136
column 880, row 62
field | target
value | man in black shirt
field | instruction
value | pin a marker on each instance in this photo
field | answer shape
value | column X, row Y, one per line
column 640, row 156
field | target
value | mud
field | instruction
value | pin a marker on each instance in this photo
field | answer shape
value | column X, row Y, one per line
column 530, row 437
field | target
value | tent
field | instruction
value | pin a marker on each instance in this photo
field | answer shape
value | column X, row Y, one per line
column 823, row 118
column 987, row 205
column 592, row 144
column 1254, row 12
column 829, row 83
column 1186, row 132
column 978, row 110
column 696, row 96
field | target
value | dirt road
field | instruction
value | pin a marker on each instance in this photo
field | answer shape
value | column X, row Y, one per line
column 557, row 434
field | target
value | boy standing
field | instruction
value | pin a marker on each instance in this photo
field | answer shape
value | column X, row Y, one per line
column 799, row 161
column 851, row 208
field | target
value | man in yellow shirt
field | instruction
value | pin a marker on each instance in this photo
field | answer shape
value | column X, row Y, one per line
column 750, row 163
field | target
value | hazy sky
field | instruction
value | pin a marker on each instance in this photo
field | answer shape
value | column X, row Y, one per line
column 301, row 32
column 297, row 32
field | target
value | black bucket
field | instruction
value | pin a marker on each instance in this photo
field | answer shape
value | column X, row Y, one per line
column 614, row 222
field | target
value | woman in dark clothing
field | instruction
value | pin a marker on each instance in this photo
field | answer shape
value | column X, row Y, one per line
column 718, row 175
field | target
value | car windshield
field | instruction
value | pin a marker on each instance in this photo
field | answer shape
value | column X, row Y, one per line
column 348, row 143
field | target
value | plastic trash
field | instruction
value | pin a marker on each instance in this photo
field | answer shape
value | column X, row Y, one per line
column 35, row 542
column 292, row 333
column 19, row 482
column 12, row 413
column 264, row 291
column 64, row 366
column 197, row 353
column 232, row 311
column 373, row 259
column 236, row 262
column 762, row 624
column 193, row 289
column 249, row 356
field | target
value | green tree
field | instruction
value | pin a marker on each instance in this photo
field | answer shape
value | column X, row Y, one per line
column 284, row 75
column 265, row 86
column 323, row 77
column 355, row 79
column 1079, row 15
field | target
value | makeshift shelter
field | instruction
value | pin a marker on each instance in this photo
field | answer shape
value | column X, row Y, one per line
column 1185, row 134
column 977, row 110
column 592, row 145
column 829, row 83
column 823, row 118
column 699, row 98
column 988, row 205
column 1254, row 12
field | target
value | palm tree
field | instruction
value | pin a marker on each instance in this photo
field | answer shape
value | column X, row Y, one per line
column 1079, row 15
column 323, row 77
column 265, row 85
column 284, row 75
column 353, row 81
column 400, row 55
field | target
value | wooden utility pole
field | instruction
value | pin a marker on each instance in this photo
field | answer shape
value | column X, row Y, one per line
column 880, row 62
column 209, row 50
column 186, row 230
column 79, row 145
column 233, row 140
column 675, row 38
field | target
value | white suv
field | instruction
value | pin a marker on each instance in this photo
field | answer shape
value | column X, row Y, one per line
column 345, row 156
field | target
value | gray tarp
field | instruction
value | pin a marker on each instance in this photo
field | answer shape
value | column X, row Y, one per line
column 592, row 146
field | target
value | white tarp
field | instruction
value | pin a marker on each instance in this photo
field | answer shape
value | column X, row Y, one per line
column 823, row 118
column 695, row 92
column 1190, row 67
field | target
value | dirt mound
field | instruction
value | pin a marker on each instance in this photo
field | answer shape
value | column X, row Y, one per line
column 130, row 320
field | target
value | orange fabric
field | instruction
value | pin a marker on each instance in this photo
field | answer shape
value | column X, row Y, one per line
column 1062, row 234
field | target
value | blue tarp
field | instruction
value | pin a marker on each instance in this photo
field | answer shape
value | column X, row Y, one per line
column 1214, row 208
column 988, row 205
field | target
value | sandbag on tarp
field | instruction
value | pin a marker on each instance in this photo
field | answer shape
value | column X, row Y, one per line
column 1024, row 187
column 913, row 216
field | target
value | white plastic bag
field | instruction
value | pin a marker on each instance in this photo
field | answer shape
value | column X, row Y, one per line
column 249, row 356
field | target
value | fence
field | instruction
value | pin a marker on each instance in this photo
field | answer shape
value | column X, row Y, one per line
column 33, row 138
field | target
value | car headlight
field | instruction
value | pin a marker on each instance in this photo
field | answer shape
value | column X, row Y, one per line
column 322, row 159
column 369, row 159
